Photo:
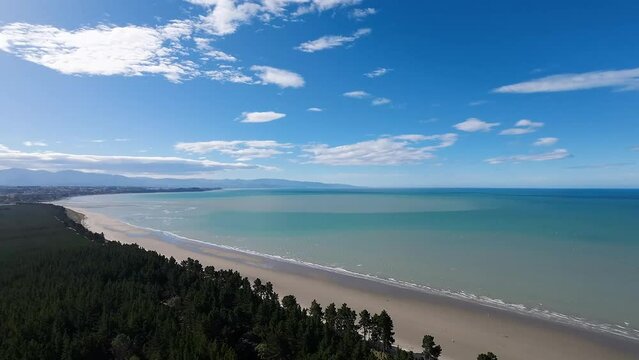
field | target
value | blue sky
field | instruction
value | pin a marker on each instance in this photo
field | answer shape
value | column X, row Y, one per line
column 379, row 93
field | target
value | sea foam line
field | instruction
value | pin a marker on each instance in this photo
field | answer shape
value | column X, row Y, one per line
column 614, row 329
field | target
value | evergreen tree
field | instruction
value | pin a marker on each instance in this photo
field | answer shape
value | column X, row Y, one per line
column 487, row 356
column 384, row 329
column 330, row 316
column 431, row 351
column 316, row 311
column 345, row 320
column 365, row 323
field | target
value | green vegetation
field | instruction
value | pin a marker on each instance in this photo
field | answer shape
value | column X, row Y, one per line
column 487, row 356
column 66, row 293
column 432, row 351
column 30, row 194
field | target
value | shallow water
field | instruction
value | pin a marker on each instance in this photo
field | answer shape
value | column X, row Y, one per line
column 555, row 253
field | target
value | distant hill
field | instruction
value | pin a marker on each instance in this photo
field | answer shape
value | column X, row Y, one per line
column 24, row 177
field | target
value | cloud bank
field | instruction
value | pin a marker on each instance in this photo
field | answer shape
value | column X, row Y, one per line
column 241, row 150
column 113, row 164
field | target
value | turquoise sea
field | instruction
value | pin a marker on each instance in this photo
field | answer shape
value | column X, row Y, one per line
column 570, row 255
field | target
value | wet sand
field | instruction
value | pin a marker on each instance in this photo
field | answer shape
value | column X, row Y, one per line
column 463, row 328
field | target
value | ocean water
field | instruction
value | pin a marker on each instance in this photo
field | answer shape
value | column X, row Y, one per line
column 569, row 255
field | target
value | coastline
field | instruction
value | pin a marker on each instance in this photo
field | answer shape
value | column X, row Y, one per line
column 463, row 328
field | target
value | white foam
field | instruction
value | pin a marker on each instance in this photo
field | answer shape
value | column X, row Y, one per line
column 615, row 329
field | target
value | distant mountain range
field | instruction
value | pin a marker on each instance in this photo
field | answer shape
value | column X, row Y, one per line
column 24, row 177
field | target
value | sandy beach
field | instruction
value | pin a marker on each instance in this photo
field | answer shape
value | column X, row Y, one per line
column 463, row 328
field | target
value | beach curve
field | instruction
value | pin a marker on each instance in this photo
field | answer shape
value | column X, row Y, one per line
column 463, row 328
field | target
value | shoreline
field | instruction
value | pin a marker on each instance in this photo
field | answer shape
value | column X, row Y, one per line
column 463, row 327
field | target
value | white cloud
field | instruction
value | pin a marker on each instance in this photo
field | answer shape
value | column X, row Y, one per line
column 314, row 109
column 260, row 116
column 162, row 50
column 102, row 50
column 241, row 150
column 34, row 143
column 357, row 94
column 280, row 77
column 389, row 150
column 361, row 94
column 363, row 12
column 377, row 72
column 220, row 55
column 331, row 41
column 115, row 164
column 225, row 73
column 226, row 16
column 202, row 2
column 522, row 127
column 121, row 139
column 552, row 155
column 474, row 125
column 204, row 45
column 621, row 79
column 323, row 5
column 380, row 101
column 546, row 141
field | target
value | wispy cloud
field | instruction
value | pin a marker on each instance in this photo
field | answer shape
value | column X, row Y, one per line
column 523, row 127
column 241, row 150
column 220, row 55
column 315, row 109
column 546, row 141
column 552, row 155
column 477, row 103
column 280, row 77
column 619, row 79
column 226, row 73
column 34, row 143
column 331, row 41
column 475, row 125
column 357, row 94
column 387, row 150
column 362, row 13
column 377, row 72
column 260, row 116
column 114, row 164
column 318, row 5
column 224, row 17
column 361, row 94
column 380, row 101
